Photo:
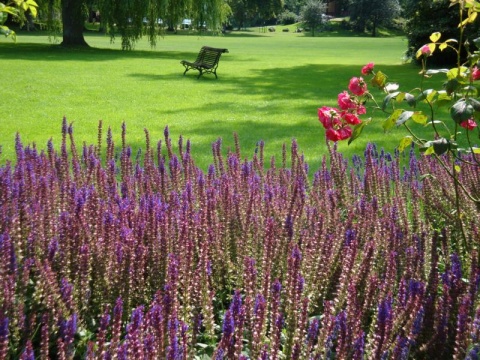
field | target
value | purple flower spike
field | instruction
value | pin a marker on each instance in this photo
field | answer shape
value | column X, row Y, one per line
column 456, row 266
column 219, row 354
column 4, row 332
column 277, row 287
column 474, row 353
column 313, row 330
column 228, row 327
column 236, row 305
column 28, row 353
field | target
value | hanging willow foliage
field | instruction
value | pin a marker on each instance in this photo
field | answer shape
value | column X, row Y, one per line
column 132, row 19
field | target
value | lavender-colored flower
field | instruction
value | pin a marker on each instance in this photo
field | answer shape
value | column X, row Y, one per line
column 385, row 355
column 209, row 268
column 312, row 333
column 350, row 235
column 4, row 333
column 228, row 326
column 136, row 320
column 359, row 347
column 264, row 355
column 417, row 324
column 28, row 353
column 279, row 321
column 118, row 309
column 259, row 304
column 149, row 344
column 402, row 348
column 219, row 354
column 122, row 353
column 236, row 304
column 276, row 287
column 289, row 226
column 174, row 352
column 384, row 312
column 296, row 352
column 300, row 283
column 474, row 353
column 456, row 266
column 68, row 328
column 66, row 290
column 296, row 255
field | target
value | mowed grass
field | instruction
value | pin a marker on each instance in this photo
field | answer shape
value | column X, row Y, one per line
column 269, row 88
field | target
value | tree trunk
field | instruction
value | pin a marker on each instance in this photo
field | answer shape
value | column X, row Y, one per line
column 73, row 20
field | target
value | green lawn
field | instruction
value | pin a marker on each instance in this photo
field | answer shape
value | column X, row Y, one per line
column 269, row 88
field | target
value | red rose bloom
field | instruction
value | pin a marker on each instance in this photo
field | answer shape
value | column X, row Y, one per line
column 469, row 124
column 345, row 102
column 357, row 86
column 368, row 69
column 350, row 118
column 476, row 73
column 328, row 116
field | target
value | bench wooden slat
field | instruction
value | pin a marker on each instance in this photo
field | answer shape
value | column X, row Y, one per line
column 206, row 62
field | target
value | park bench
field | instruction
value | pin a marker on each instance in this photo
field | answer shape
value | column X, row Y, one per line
column 206, row 62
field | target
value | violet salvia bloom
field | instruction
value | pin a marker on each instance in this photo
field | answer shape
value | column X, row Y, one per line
column 52, row 249
column 289, row 226
column 350, row 236
column 402, row 348
column 174, row 351
column 418, row 323
column 358, row 347
column 122, row 353
column 313, row 330
column 228, row 326
column 475, row 330
column 4, row 334
column 136, row 320
column 456, row 266
column 28, row 353
column 236, row 304
column 474, row 353
column 264, row 355
column 219, row 354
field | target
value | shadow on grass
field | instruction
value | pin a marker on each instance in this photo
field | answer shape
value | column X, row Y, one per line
column 53, row 52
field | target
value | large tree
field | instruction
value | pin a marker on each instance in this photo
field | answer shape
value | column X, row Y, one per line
column 131, row 19
column 245, row 11
column 373, row 13
column 312, row 14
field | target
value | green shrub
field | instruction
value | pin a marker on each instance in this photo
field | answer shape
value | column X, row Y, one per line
column 426, row 17
column 288, row 17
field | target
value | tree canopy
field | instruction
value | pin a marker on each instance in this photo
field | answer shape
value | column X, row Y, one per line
column 373, row 13
column 135, row 18
column 312, row 14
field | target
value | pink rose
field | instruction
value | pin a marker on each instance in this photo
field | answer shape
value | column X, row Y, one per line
column 345, row 132
column 361, row 110
column 357, row 86
column 476, row 73
column 469, row 124
column 341, row 134
column 350, row 118
column 425, row 50
column 345, row 102
column 368, row 69
column 327, row 115
column 332, row 134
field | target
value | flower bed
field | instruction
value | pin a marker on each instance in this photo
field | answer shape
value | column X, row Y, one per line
column 150, row 257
